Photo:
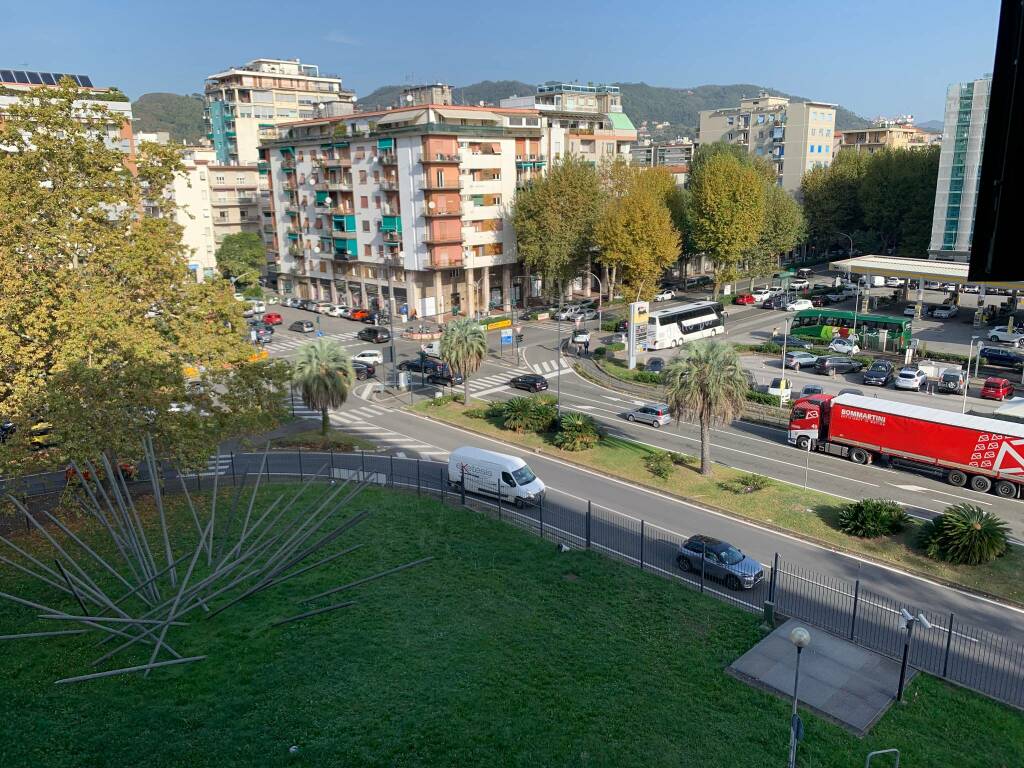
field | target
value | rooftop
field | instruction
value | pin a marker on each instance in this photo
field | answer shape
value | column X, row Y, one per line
column 16, row 77
column 577, row 88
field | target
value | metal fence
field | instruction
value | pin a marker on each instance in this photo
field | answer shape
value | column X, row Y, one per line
column 971, row 657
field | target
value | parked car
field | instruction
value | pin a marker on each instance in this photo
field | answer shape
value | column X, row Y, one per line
column 273, row 318
column 531, row 382
column 773, row 302
column 363, row 370
column 336, row 310
column 971, row 289
column 654, row 365
column 371, row 356
column 302, row 326
column 837, row 364
column 953, row 381
column 375, row 334
column 657, row 415
column 836, row 297
column 665, row 294
column 1002, row 357
column 910, row 378
column 580, row 337
column 799, row 284
column 306, row 304
column 799, row 359
column 819, row 301
column 792, row 342
column 843, row 346
column 761, row 295
column 743, row 298
column 996, row 388
column 721, row 561
column 781, row 389
column 893, row 282
column 567, row 313
column 879, row 374
column 932, row 285
column 422, row 364
column 586, row 313
column 358, row 314
column 945, row 312
column 289, row 301
column 850, row 391
column 444, row 376
column 812, row 389
column 911, row 310
column 796, row 306
column 1002, row 333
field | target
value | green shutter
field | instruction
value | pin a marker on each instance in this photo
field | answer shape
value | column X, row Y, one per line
column 384, row 144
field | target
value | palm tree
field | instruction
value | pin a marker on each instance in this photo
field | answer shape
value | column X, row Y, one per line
column 324, row 375
column 706, row 381
column 463, row 347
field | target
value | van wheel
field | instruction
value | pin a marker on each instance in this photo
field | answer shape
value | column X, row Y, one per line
column 860, row 456
column 803, row 442
column 519, row 502
column 981, row 484
column 957, row 477
column 1006, row 489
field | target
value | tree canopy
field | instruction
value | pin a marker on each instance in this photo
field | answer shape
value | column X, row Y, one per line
column 241, row 256
column 102, row 326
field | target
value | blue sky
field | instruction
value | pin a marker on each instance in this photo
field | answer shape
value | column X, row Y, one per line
column 871, row 56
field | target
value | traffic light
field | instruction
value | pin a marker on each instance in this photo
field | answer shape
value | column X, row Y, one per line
column 519, row 338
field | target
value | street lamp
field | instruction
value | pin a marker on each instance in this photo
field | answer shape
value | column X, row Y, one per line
column 600, row 296
column 785, row 339
column 967, row 383
column 909, row 621
column 801, row 638
column 851, row 242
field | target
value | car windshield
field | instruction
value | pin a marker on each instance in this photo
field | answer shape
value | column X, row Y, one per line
column 730, row 555
column 878, row 368
column 524, row 475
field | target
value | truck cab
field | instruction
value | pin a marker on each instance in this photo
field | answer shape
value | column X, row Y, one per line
column 808, row 421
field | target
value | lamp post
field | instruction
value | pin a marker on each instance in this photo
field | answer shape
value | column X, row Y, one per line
column 909, row 622
column 967, row 383
column 600, row 297
column 391, row 313
column 801, row 638
column 785, row 339
column 850, row 252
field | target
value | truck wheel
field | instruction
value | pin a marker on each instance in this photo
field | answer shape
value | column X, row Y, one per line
column 1006, row 489
column 802, row 442
column 957, row 477
column 981, row 484
column 860, row 456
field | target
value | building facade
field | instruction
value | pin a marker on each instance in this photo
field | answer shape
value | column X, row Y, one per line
column 662, row 153
column 410, row 207
column 956, row 192
column 244, row 104
column 235, row 200
column 793, row 137
column 885, row 134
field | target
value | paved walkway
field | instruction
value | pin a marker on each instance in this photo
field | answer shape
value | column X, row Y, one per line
column 843, row 682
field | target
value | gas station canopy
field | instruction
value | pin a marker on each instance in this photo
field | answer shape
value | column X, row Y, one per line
column 923, row 269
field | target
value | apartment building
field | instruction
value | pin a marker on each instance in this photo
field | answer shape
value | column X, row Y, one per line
column 793, row 136
column 117, row 134
column 245, row 104
column 885, row 134
column 956, row 192
column 409, row 206
column 662, row 153
column 235, row 199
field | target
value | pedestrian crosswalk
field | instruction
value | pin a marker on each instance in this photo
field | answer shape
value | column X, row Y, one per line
column 217, row 465
column 551, row 367
column 285, row 341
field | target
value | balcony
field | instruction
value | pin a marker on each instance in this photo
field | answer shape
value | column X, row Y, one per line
column 449, row 185
column 392, row 237
column 334, row 162
column 441, row 213
column 288, row 165
column 389, row 185
column 294, row 249
column 440, row 239
column 339, row 185
column 445, row 261
column 388, row 158
column 531, row 161
column 440, row 159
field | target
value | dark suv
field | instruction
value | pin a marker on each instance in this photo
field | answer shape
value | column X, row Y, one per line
column 880, row 373
column 722, row 561
column 999, row 356
column 837, row 364
column 375, row 334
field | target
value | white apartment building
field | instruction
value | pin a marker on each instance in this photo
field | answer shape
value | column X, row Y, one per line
column 193, row 211
column 793, row 136
column 244, row 104
column 956, row 192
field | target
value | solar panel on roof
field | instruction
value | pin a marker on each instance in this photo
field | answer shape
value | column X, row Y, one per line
column 47, row 78
column 33, row 77
column 20, row 77
column 85, row 81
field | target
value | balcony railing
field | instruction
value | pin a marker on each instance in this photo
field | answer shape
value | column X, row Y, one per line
column 334, row 162
column 288, row 165
column 392, row 237
column 340, row 185
column 440, row 158
column 439, row 213
column 439, row 239
column 450, row 185
column 294, row 249
column 389, row 185
column 445, row 261
column 388, row 158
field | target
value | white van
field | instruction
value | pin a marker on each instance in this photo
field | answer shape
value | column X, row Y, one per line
column 483, row 471
column 432, row 348
column 257, row 306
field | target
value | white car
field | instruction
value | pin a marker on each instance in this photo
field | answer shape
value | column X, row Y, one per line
column 932, row 285
column 799, row 284
column 581, row 337
column 910, row 310
column 781, row 389
column 1002, row 333
column 796, row 306
column 761, row 294
column 893, row 282
column 569, row 313
column 910, row 378
column 945, row 312
column 971, row 289
column 239, row 297
column 371, row 356
column 665, row 295
column 844, row 347
column 336, row 310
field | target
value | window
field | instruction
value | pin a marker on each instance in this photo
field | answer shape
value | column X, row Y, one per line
column 364, row 201
column 362, row 177
column 368, row 251
column 239, row 179
column 366, row 225
column 218, row 179
column 810, row 149
column 223, row 215
column 506, row 478
column 760, row 119
column 376, row 177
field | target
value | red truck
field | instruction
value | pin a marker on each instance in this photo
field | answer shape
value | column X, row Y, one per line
column 984, row 454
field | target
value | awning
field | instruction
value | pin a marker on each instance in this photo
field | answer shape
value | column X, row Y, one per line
column 452, row 114
column 383, row 144
column 621, row 122
column 401, row 116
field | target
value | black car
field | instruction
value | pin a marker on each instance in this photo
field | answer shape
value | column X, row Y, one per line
column 422, row 364
column 363, row 370
column 622, row 326
column 837, row 364
column 302, row 326
column 655, row 365
column 531, row 382
column 444, row 376
column 721, row 561
column 375, row 334
column 1001, row 357
column 880, row 374
column 792, row 342
column 306, row 304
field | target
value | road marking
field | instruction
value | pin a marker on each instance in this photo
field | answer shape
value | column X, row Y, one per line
column 616, row 399
column 913, row 488
column 491, row 391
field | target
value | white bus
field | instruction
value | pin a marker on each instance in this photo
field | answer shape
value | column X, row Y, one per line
column 672, row 327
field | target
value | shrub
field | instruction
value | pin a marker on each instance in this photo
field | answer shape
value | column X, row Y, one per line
column 871, row 518
column 477, row 413
column 768, row 348
column 609, row 326
column 577, row 432
column 683, row 459
column 445, row 399
column 659, row 464
column 615, row 346
column 599, row 352
column 964, row 534
column 763, row 398
column 546, row 412
column 518, row 415
column 647, row 377
column 747, row 483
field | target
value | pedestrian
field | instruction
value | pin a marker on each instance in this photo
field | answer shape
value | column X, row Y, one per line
column 586, row 347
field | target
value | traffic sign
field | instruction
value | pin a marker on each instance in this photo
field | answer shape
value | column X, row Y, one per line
column 506, row 336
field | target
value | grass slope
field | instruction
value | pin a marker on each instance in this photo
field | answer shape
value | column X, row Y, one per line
column 500, row 652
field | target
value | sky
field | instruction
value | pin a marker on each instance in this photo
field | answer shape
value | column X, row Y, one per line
column 874, row 57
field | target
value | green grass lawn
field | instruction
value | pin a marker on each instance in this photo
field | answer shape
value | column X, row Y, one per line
column 314, row 441
column 502, row 651
column 808, row 513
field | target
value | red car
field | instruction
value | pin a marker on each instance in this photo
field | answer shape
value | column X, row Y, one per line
column 272, row 318
column 995, row 388
column 359, row 314
column 743, row 298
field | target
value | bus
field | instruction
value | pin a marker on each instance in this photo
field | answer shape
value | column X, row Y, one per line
column 824, row 324
column 672, row 327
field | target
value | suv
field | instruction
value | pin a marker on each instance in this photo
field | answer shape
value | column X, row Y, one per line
column 945, row 312
column 1001, row 357
column 880, row 373
column 656, row 415
column 721, row 560
column 911, row 378
column 837, row 364
column 375, row 334
column 953, row 380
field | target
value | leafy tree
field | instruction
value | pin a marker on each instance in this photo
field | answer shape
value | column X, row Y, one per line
column 635, row 232
column 831, row 197
column 707, row 382
column 784, row 227
column 554, row 220
column 464, row 347
column 99, row 316
column 181, row 116
column 241, row 256
column 324, row 376
column 897, row 195
column 726, row 215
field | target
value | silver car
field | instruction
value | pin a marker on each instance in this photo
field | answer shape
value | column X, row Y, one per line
column 722, row 561
column 656, row 414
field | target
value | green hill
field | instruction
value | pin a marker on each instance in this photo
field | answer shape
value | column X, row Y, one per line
column 181, row 116
column 489, row 91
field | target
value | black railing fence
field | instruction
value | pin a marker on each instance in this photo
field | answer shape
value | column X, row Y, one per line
column 963, row 654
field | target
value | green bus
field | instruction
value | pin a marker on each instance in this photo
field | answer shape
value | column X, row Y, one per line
column 825, row 324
